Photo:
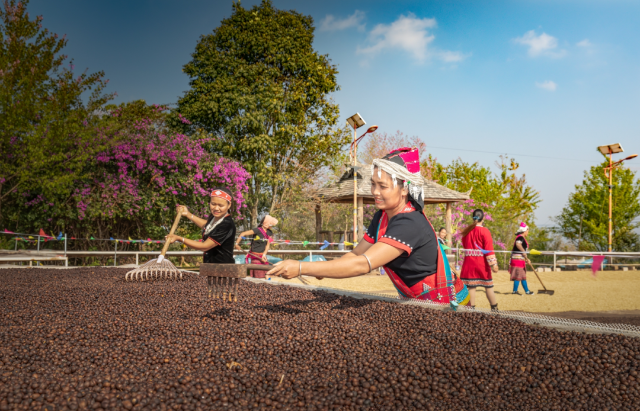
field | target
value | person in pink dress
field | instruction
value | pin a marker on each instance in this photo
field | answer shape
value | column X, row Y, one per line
column 479, row 260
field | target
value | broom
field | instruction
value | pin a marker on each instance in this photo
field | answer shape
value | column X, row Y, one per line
column 545, row 291
column 161, row 268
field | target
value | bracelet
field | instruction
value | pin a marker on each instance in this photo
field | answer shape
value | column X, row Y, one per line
column 368, row 261
column 299, row 268
column 182, row 240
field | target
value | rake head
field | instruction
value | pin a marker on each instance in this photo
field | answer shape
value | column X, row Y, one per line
column 160, row 269
column 221, row 287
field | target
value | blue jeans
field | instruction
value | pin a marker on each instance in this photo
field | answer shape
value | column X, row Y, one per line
column 516, row 284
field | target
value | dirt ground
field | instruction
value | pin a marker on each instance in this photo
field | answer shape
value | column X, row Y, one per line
column 613, row 292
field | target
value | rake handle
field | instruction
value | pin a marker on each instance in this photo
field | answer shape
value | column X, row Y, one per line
column 173, row 229
column 536, row 273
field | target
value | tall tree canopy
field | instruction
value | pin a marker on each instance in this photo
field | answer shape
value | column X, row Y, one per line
column 46, row 133
column 585, row 219
column 258, row 86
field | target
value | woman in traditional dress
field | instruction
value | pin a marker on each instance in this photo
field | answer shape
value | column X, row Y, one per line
column 517, row 265
column 442, row 236
column 400, row 238
column 479, row 260
column 218, row 230
column 261, row 238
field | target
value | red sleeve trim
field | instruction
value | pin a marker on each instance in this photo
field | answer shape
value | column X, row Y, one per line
column 217, row 243
column 368, row 239
column 396, row 244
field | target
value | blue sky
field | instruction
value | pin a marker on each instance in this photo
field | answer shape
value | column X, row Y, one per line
column 537, row 79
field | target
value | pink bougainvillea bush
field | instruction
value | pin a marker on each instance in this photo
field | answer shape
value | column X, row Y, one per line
column 135, row 184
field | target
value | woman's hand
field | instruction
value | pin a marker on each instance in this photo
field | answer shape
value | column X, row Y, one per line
column 172, row 238
column 183, row 210
column 264, row 259
column 238, row 247
column 286, row 269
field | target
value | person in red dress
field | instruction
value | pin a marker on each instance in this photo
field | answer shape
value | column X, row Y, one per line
column 479, row 260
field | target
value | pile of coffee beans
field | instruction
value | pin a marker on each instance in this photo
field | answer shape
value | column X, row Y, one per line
column 83, row 338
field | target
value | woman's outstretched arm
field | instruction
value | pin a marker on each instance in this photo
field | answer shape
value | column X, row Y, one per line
column 242, row 234
column 379, row 254
column 196, row 245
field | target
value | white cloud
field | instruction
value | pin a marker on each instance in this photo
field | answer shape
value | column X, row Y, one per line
column 542, row 45
column 547, row 85
column 584, row 43
column 330, row 23
column 410, row 34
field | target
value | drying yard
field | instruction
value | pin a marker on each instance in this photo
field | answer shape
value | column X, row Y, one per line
column 83, row 338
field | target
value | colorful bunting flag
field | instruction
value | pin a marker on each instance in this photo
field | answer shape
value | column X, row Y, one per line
column 326, row 244
column 347, row 243
column 535, row 252
column 304, row 243
column 59, row 236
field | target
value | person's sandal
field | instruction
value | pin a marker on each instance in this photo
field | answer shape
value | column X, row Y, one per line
column 494, row 307
column 529, row 293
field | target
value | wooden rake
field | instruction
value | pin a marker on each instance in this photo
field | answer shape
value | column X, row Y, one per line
column 545, row 291
column 223, row 279
column 161, row 268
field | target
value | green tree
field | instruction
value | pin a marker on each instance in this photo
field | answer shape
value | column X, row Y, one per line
column 46, row 133
column 509, row 196
column 258, row 86
column 585, row 219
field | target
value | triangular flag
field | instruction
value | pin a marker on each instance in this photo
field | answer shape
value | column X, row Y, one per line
column 8, row 232
column 287, row 241
column 59, row 236
column 148, row 239
column 326, row 244
column 42, row 233
column 111, row 238
column 446, row 247
column 347, row 243
column 304, row 243
column 130, row 239
column 535, row 252
column 91, row 238
column 73, row 238
column 30, row 237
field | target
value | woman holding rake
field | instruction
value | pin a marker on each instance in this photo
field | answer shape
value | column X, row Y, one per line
column 261, row 238
column 218, row 230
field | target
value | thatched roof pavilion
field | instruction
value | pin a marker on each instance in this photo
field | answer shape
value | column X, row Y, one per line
column 342, row 192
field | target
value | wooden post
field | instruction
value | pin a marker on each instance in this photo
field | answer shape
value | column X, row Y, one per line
column 360, row 218
column 449, row 226
column 318, row 222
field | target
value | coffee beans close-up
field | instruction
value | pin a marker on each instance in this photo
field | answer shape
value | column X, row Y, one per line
column 84, row 339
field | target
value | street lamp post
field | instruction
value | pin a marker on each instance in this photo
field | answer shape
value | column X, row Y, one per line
column 608, row 172
column 356, row 121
